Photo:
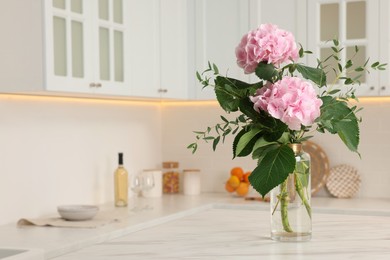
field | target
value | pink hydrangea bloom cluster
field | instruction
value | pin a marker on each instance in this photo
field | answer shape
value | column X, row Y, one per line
column 268, row 44
column 292, row 100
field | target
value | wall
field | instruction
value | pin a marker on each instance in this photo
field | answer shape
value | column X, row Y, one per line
column 63, row 151
column 181, row 119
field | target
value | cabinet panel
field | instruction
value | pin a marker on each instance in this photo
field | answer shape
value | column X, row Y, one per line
column 218, row 32
column 144, row 47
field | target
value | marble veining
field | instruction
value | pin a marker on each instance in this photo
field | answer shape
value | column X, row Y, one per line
column 212, row 226
column 244, row 234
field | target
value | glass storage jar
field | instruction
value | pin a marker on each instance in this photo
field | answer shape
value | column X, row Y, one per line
column 171, row 177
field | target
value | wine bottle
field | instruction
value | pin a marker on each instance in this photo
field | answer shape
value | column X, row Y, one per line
column 121, row 183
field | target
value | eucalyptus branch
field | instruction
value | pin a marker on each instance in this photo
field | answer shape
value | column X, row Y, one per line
column 219, row 132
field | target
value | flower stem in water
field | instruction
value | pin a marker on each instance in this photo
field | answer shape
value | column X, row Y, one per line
column 301, row 193
column 284, row 199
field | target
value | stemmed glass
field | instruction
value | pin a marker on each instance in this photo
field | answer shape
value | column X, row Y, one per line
column 138, row 183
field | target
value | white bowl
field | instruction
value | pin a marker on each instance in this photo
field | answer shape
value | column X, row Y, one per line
column 77, row 212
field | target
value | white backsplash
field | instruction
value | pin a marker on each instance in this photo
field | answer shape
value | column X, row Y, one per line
column 63, row 151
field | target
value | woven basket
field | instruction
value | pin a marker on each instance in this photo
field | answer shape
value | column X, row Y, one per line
column 344, row 181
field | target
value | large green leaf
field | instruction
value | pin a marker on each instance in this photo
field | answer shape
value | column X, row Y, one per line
column 316, row 75
column 236, row 139
column 337, row 117
column 237, row 84
column 273, row 169
column 247, row 141
column 348, row 131
column 266, row 71
column 246, row 107
column 227, row 101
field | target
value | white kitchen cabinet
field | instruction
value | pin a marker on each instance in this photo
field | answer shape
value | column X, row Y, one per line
column 160, row 48
column 353, row 22
column 64, row 46
column 86, row 46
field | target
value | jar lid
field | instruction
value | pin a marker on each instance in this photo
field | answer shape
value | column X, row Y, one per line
column 168, row 165
column 152, row 170
column 191, row 170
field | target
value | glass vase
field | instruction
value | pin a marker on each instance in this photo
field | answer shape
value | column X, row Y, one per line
column 290, row 202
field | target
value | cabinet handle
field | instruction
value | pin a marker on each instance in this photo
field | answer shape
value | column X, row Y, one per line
column 372, row 88
column 98, row 85
column 92, row 85
column 162, row 90
column 383, row 88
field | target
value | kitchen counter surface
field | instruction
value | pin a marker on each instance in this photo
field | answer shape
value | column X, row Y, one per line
column 213, row 226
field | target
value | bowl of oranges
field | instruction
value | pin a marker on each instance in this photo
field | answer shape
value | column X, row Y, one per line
column 238, row 182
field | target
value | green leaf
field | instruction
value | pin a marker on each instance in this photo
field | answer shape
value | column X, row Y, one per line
column 236, row 139
column 334, row 91
column 336, row 42
column 273, row 169
column 198, row 76
column 215, row 143
column 246, row 107
column 302, row 172
column 233, row 83
column 348, row 64
column 261, row 147
column 259, row 153
column 227, row 101
column 301, row 52
column 224, row 119
column 246, row 143
column 276, row 131
column 375, row 64
column 337, row 117
column 266, row 71
column 348, row 131
column 215, row 68
column 318, row 76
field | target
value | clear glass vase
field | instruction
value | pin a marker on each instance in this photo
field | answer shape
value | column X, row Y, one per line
column 290, row 202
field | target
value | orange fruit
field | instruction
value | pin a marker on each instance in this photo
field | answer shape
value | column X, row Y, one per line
column 234, row 181
column 229, row 188
column 242, row 189
column 237, row 171
column 246, row 175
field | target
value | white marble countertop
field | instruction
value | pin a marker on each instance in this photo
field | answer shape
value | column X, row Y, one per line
column 213, row 226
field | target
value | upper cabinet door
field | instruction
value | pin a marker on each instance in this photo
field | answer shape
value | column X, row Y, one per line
column 85, row 46
column 68, row 52
column 109, row 32
column 353, row 23
column 219, row 27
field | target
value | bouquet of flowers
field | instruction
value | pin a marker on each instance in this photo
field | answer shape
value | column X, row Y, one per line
column 288, row 103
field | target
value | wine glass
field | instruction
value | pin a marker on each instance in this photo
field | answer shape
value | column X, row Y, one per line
column 147, row 184
column 136, row 187
column 138, row 183
column 147, row 181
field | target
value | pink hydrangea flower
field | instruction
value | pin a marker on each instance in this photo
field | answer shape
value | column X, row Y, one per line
column 292, row 100
column 269, row 44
